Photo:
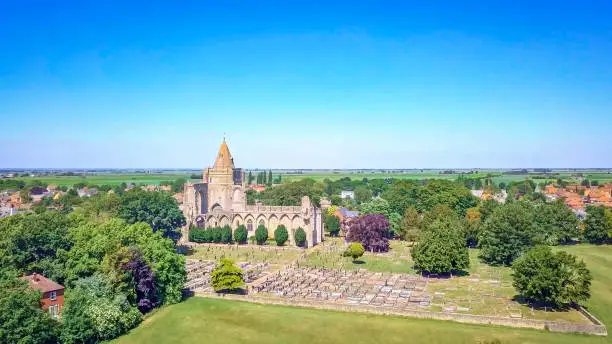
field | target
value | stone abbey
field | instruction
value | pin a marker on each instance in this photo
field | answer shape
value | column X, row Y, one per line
column 220, row 199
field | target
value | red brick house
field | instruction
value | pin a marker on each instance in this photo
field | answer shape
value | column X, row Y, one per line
column 53, row 293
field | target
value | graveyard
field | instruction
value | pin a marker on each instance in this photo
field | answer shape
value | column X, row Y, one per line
column 321, row 276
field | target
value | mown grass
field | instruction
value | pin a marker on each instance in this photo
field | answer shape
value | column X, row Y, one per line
column 200, row 320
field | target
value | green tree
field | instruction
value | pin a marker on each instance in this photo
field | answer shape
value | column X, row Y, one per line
column 263, row 178
column 269, row 177
column 440, row 250
column 332, row 225
column 437, row 212
column 261, row 234
column 300, row 237
column 363, row 194
column 411, row 223
column 94, row 312
column 240, row 234
column 596, row 225
column 556, row 223
column 555, row 279
column 335, row 200
column 355, row 251
column 506, row 233
column 158, row 209
column 226, row 276
column 250, row 178
column 281, row 235
column 21, row 318
column 376, row 206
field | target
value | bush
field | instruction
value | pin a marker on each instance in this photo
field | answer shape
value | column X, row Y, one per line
column 226, row 276
column 261, row 234
column 197, row 235
column 226, row 234
column 240, row 235
column 281, row 235
column 442, row 249
column 555, row 279
column 300, row 237
column 355, row 250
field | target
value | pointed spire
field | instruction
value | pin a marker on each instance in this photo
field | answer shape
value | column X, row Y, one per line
column 224, row 158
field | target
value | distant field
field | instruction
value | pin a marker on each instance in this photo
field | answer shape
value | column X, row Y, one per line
column 109, row 178
column 602, row 177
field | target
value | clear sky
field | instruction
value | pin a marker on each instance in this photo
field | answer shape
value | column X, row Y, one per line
column 312, row 84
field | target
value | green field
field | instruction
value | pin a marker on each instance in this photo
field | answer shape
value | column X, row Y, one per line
column 199, row 320
column 109, row 178
column 602, row 177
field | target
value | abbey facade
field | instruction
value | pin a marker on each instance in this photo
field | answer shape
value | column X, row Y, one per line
column 220, row 199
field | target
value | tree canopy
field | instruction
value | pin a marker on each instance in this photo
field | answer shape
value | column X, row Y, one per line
column 555, row 279
column 441, row 249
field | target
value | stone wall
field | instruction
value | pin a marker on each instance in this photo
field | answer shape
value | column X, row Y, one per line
column 553, row 326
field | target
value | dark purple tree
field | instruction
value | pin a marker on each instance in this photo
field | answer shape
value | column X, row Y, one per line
column 144, row 280
column 372, row 231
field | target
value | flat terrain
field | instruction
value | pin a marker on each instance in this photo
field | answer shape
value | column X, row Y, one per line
column 109, row 178
column 199, row 320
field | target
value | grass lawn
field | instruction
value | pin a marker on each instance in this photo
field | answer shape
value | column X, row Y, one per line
column 199, row 320
column 253, row 254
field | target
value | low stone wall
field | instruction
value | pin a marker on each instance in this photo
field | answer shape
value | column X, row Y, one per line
column 597, row 328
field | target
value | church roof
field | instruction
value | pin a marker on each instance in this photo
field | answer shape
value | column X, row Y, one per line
column 224, row 158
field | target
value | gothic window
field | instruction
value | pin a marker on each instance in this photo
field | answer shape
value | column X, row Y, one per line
column 261, row 222
column 249, row 225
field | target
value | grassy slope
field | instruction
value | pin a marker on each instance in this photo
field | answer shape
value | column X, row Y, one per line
column 216, row 321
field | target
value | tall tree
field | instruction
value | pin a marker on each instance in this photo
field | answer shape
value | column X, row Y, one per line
column 551, row 278
column 269, row 177
column 507, row 233
column 158, row 209
column 250, row 178
column 263, row 178
column 372, row 230
column 411, row 224
column 363, row 194
column 556, row 222
column 441, row 249
column 596, row 225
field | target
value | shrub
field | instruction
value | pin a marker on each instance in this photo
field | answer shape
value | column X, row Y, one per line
column 226, row 276
column 281, row 235
column 551, row 278
column 226, row 234
column 261, row 234
column 240, row 234
column 442, row 249
column 300, row 237
column 355, row 250
column 197, row 235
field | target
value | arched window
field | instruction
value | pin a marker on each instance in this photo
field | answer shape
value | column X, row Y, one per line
column 249, row 225
column 261, row 222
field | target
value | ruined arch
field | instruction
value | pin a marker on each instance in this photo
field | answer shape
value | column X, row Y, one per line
column 261, row 220
column 223, row 221
column 211, row 222
column 238, row 220
column 272, row 223
column 249, row 221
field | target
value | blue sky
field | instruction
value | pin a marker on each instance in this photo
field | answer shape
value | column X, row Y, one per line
column 306, row 85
